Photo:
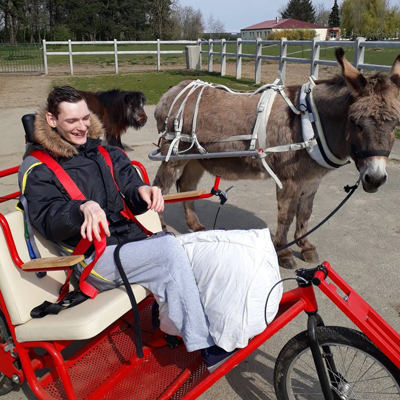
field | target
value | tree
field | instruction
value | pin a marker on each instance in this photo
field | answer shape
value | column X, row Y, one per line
column 14, row 17
column 372, row 19
column 215, row 27
column 159, row 17
column 334, row 17
column 190, row 22
column 302, row 10
column 34, row 20
column 321, row 14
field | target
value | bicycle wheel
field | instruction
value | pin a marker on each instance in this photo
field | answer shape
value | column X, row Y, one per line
column 6, row 384
column 363, row 372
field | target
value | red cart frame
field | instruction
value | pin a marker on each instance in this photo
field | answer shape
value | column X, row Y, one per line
column 165, row 373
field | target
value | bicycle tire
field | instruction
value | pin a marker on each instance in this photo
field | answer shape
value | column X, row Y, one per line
column 364, row 372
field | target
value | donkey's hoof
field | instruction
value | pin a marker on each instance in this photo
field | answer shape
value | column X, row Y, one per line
column 287, row 263
column 197, row 228
column 310, row 256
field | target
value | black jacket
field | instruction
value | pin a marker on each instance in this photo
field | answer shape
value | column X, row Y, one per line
column 57, row 217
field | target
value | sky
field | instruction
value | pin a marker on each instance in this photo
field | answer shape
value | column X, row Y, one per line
column 239, row 14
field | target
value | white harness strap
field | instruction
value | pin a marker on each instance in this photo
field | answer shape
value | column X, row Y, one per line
column 264, row 110
column 312, row 129
column 178, row 121
column 264, row 107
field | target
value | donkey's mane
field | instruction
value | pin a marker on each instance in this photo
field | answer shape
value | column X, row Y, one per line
column 332, row 94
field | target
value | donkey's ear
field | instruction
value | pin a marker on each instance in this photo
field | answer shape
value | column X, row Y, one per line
column 395, row 72
column 353, row 77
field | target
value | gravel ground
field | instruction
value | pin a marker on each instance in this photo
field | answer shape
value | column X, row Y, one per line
column 361, row 241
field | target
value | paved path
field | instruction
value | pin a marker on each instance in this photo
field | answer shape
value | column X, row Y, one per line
column 362, row 243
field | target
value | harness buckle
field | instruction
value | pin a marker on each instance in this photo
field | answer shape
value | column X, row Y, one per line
column 118, row 223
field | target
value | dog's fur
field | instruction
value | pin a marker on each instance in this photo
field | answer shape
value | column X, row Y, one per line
column 117, row 110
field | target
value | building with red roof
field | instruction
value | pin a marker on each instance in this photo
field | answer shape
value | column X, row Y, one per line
column 263, row 29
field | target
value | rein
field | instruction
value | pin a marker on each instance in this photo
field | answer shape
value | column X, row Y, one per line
column 350, row 191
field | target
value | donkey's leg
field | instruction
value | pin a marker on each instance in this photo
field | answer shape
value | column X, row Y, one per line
column 168, row 173
column 303, row 215
column 188, row 181
column 287, row 198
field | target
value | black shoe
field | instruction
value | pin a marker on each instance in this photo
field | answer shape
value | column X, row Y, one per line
column 215, row 356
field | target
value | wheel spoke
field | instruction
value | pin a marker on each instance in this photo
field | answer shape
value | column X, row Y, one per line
column 355, row 372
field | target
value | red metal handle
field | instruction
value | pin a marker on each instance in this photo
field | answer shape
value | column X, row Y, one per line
column 216, row 182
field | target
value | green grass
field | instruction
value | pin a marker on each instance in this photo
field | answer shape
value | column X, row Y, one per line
column 397, row 133
column 153, row 84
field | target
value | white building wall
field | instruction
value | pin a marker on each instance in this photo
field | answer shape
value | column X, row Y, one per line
column 321, row 33
column 263, row 34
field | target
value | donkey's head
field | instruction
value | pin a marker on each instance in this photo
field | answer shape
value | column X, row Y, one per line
column 373, row 116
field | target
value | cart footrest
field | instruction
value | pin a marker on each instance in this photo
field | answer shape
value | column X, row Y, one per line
column 111, row 370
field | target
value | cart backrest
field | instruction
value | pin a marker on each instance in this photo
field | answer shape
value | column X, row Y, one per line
column 22, row 290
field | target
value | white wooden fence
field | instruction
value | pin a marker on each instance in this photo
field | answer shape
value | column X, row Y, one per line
column 358, row 45
column 115, row 52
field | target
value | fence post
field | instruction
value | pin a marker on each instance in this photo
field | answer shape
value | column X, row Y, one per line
column 46, row 68
column 239, row 58
column 258, row 60
column 223, row 57
column 315, row 57
column 282, row 63
column 199, row 43
column 359, row 52
column 116, row 55
column 158, row 55
column 71, row 65
column 210, row 55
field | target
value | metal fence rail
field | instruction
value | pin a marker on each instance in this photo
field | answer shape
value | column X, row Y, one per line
column 21, row 58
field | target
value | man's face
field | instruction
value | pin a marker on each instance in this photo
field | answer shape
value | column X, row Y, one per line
column 72, row 123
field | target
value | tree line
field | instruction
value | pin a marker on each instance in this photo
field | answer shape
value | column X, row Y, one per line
column 35, row 20
column 372, row 19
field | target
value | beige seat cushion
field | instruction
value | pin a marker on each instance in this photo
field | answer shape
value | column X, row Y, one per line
column 84, row 321
column 22, row 291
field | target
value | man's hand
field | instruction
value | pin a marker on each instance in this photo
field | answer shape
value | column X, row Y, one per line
column 95, row 221
column 153, row 197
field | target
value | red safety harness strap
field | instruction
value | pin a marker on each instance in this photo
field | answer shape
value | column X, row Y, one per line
column 127, row 213
column 68, row 184
column 75, row 193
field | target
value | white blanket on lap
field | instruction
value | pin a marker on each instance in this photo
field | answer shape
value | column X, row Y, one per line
column 235, row 271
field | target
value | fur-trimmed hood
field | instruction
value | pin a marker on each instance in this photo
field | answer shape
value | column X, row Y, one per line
column 51, row 141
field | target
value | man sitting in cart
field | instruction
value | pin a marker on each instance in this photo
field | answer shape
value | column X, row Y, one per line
column 70, row 134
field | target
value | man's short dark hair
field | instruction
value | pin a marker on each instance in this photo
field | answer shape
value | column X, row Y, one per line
column 60, row 94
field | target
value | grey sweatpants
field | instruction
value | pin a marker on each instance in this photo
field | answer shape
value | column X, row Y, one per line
column 160, row 264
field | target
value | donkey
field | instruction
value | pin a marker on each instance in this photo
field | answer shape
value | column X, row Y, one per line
column 358, row 116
